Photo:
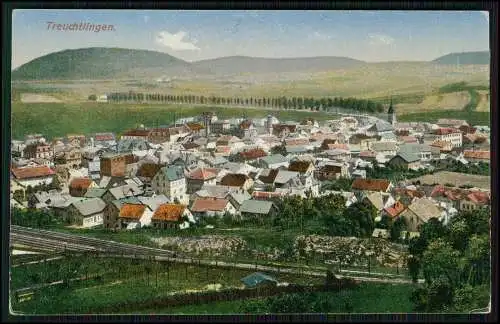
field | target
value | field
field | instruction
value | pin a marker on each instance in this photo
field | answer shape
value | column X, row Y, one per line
column 472, row 117
column 484, row 101
column 121, row 281
column 125, row 281
column 457, row 179
column 366, row 298
column 59, row 119
column 366, row 81
column 447, row 101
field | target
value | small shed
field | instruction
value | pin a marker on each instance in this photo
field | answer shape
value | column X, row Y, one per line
column 258, row 279
column 381, row 233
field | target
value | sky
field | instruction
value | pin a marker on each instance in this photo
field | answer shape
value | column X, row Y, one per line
column 372, row 36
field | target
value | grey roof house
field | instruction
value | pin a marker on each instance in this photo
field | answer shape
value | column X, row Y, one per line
column 258, row 279
column 257, row 208
column 274, row 161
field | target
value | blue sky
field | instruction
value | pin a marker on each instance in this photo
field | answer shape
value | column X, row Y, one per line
column 194, row 35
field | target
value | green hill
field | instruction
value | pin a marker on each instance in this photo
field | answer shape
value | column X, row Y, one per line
column 466, row 58
column 244, row 64
column 98, row 63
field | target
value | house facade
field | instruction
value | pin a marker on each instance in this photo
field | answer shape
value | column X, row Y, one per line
column 197, row 178
column 405, row 161
column 171, row 182
column 38, row 151
column 85, row 213
column 210, row 207
column 113, row 165
column 33, row 176
column 450, row 135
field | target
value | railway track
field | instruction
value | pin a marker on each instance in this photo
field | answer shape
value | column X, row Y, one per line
column 62, row 241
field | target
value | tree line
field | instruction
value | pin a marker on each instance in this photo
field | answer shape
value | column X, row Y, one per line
column 304, row 103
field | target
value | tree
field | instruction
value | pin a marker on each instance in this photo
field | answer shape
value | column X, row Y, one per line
column 440, row 259
column 362, row 216
column 385, row 222
column 290, row 303
column 92, row 97
column 397, row 227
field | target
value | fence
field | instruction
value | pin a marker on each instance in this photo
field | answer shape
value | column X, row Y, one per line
column 226, row 295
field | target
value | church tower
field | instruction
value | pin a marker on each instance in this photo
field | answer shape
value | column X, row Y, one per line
column 391, row 114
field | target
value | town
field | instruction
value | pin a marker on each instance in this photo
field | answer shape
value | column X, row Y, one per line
column 177, row 176
column 309, row 163
column 367, row 177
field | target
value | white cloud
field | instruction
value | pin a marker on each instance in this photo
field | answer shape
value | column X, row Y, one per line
column 320, row 36
column 175, row 41
column 486, row 15
column 379, row 39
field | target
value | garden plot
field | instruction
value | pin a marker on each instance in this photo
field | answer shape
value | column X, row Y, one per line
column 350, row 250
column 214, row 245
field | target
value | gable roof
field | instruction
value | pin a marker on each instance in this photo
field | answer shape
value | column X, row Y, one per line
column 132, row 211
column 407, row 157
column 95, row 193
column 256, row 207
column 274, row 159
column 194, row 126
column 169, row 212
column 153, row 202
column 202, row 174
column 479, row 197
column 284, row 176
column 447, row 131
column 209, row 204
column 190, row 145
column 173, row 173
column 137, row 132
column 395, row 209
column 125, row 190
column 89, row 206
column 118, row 203
column 32, row 172
column 381, row 126
column 483, row 155
column 384, row 146
column 234, row 180
column 268, row 175
column 246, row 124
column 80, row 183
column 148, row 170
column 253, row 154
column 371, row 184
column 425, row 209
column 256, row 278
column 267, row 194
column 299, row 166
column 377, row 199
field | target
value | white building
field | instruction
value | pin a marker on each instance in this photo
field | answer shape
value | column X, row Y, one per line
column 171, row 182
column 450, row 135
column 33, row 176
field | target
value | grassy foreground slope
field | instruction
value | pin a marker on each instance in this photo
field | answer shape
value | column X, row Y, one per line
column 366, row 298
